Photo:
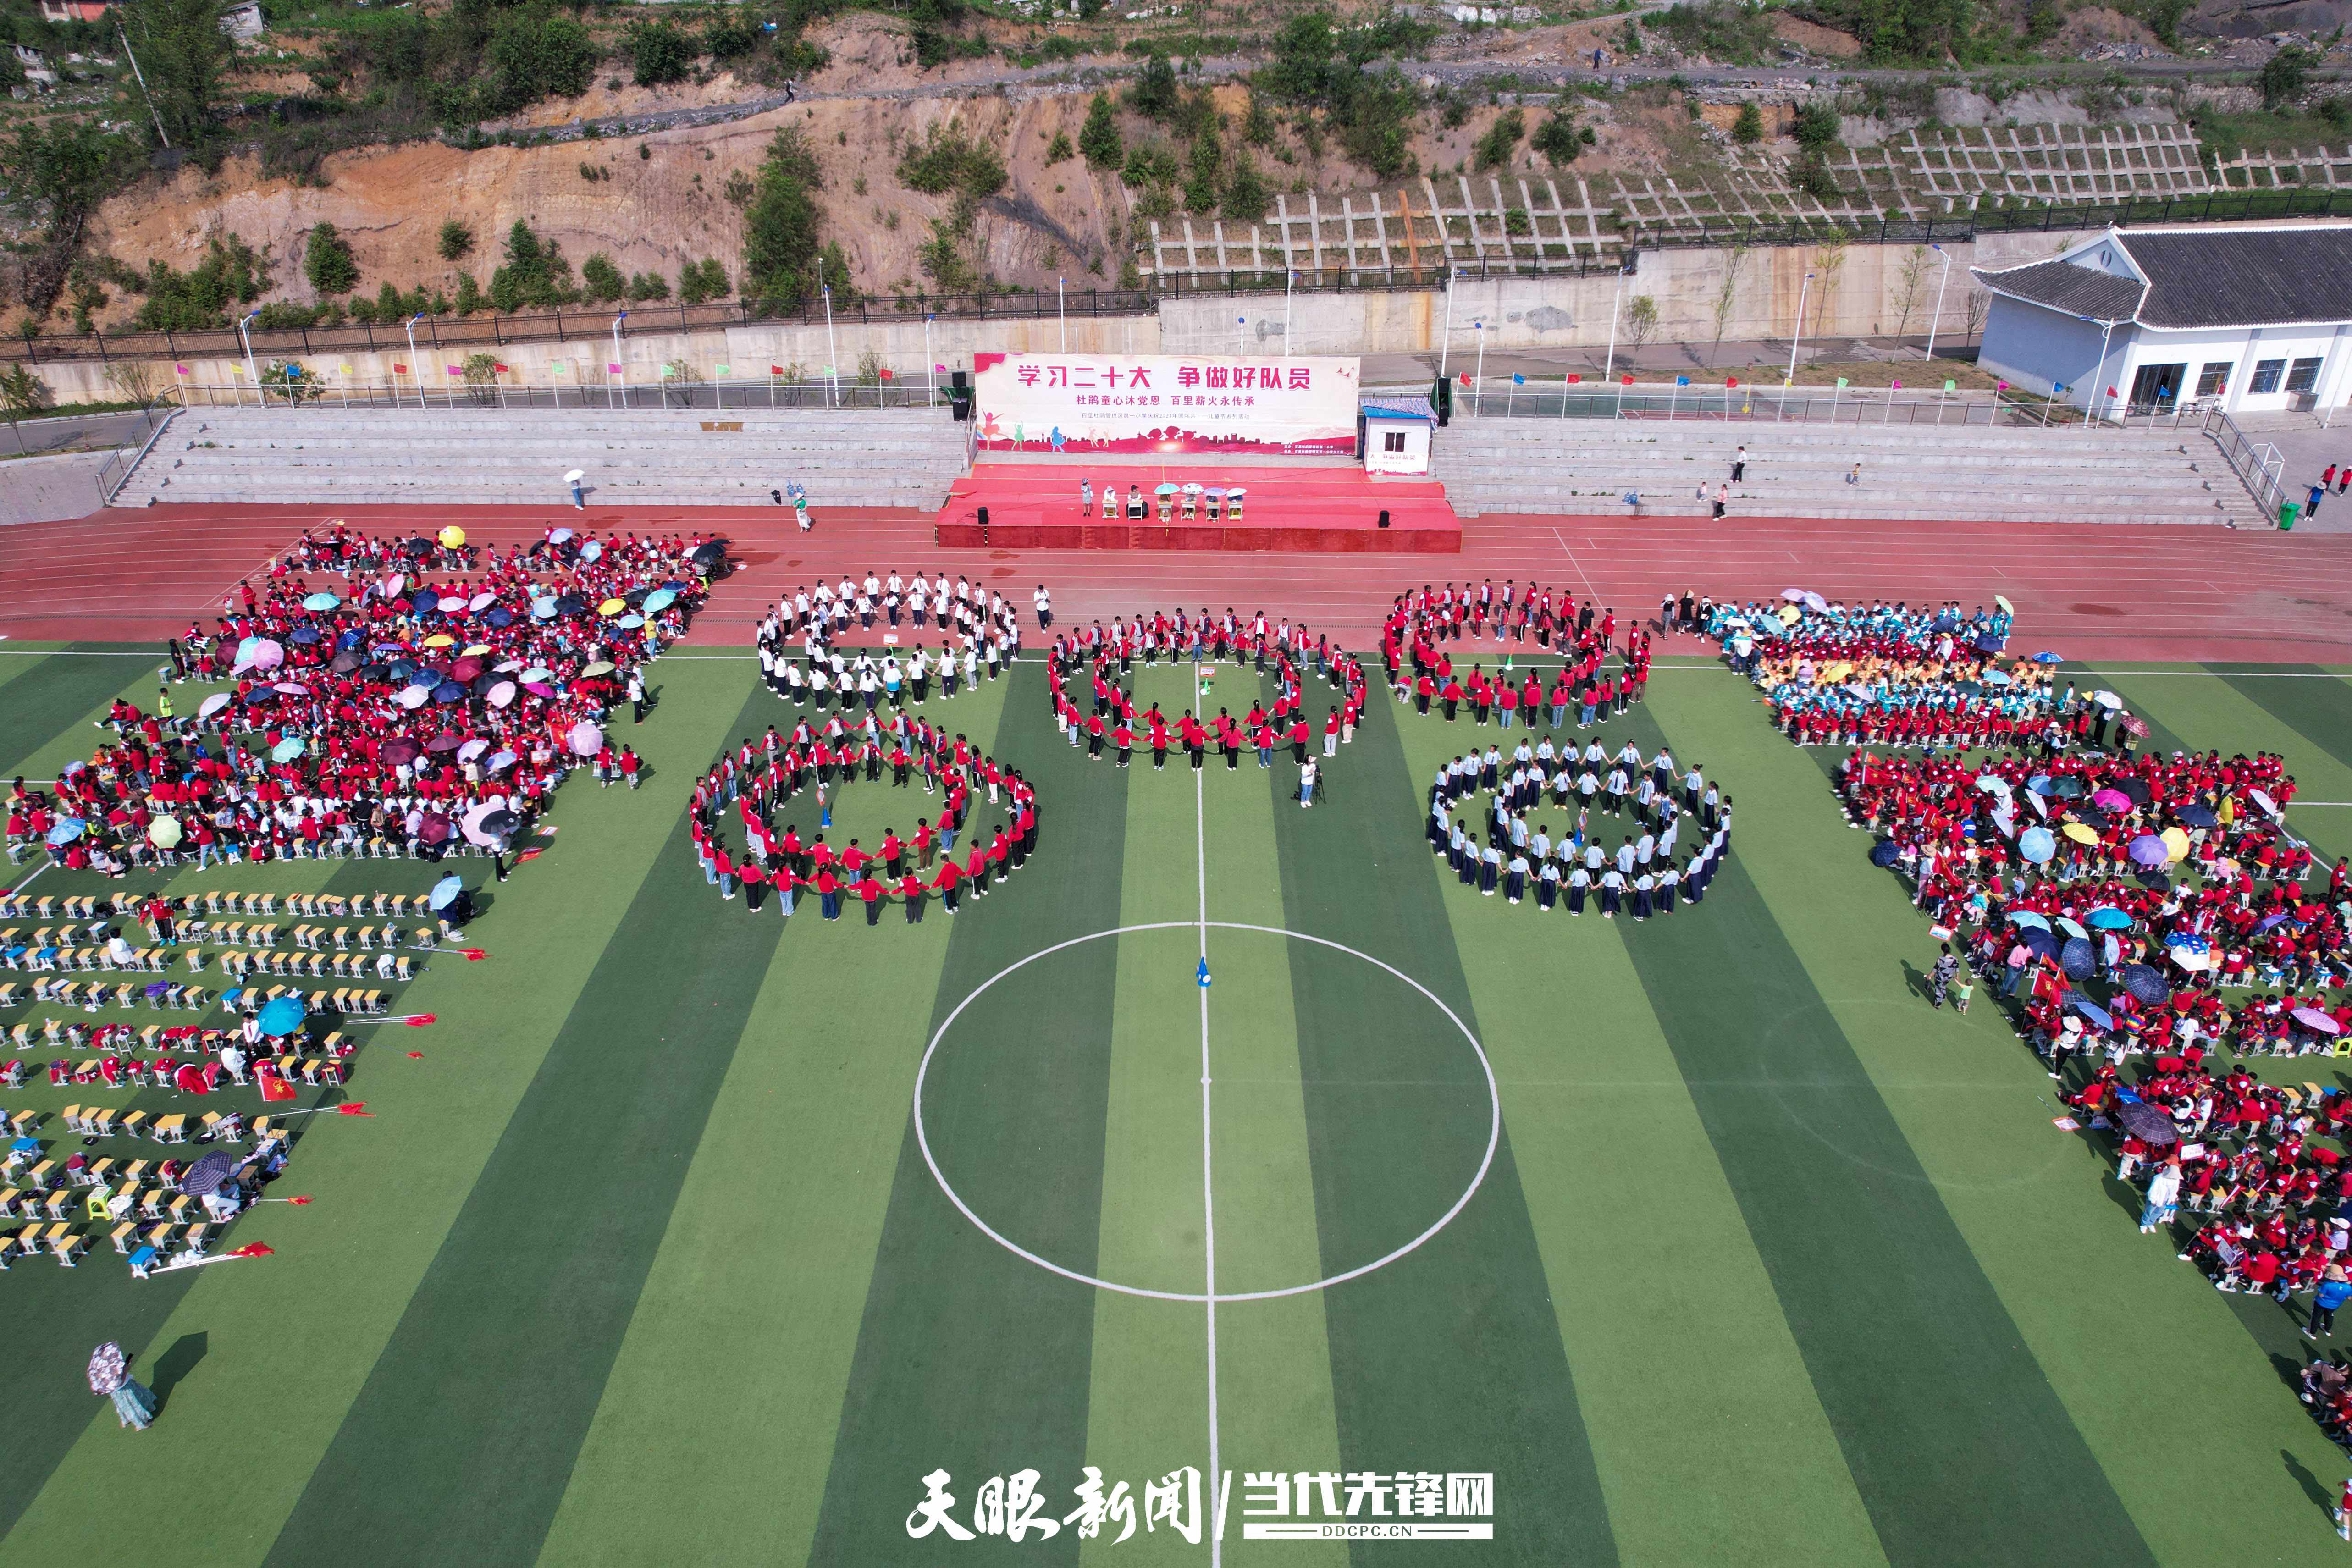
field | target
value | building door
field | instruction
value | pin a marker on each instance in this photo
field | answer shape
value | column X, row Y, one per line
column 2157, row 386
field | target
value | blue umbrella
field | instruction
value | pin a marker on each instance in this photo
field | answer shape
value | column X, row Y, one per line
column 2071, row 928
column 660, row 599
column 2027, row 918
column 67, row 831
column 500, row 618
column 282, row 1017
column 2146, row 984
column 544, row 609
column 1886, row 852
column 630, row 622
column 2041, row 943
column 2078, row 958
column 445, row 891
column 2089, row 1009
column 2037, row 845
column 2194, row 816
column 2038, row 784
column 448, row 692
column 287, row 750
column 303, row 637
column 2106, row 917
column 2046, row 656
column 321, row 601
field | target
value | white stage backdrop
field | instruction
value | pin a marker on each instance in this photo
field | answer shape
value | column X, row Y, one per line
column 1085, row 404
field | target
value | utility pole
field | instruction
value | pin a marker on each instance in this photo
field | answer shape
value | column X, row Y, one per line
column 135, row 71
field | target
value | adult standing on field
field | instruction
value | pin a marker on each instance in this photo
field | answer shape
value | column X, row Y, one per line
column 109, row 1376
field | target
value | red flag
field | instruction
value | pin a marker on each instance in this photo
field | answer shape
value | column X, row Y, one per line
column 400, row 370
column 356, row 1107
column 254, row 1249
column 2111, row 392
column 1731, row 381
column 1574, row 379
column 887, row 375
column 1628, row 380
column 274, row 1088
column 528, row 854
column 303, row 1199
column 416, row 1056
column 1466, row 378
column 475, row 955
column 418, row 1020
column 499, row 368
column 775, row 370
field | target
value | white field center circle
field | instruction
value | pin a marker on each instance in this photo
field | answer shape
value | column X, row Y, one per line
column 1485, row 1161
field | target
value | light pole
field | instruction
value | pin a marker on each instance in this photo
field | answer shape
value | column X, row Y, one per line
column 2099, row 373
column 1062, row 310
column 932, row 366
column 1937, row 318
column 832, row 353
column 1803, row 290
column 1609, row 370
column 1445, row 344
column 1241, row 339
column 611, row 397
column 411, row 329
column 247, row 339
column 1478, row 392
column 1289, row 280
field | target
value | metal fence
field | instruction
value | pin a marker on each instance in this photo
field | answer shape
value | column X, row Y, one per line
column 1767, row 404
column 115, row 469
column 2258, row 463
column 713, row 396
column 491, row 330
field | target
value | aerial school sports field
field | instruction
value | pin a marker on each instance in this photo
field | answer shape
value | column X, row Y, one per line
column 686, row 1234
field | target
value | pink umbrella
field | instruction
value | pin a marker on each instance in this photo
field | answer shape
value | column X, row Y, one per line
column 392, row 584
column 587, row 738
column 292, row 688
column 2111, row 800
column 472, row 749
column 503, row 693
column 449, row 603
column 481, row 600
column 435, row 828
column 413, row 697
column 2314, row 1019
column 538, row 688
column 473, row 823
column 267, row 655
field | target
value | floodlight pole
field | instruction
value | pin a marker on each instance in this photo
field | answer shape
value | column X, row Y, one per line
column 611, row 397
column 1937, row 318
column 410, row 328
column 247, row 339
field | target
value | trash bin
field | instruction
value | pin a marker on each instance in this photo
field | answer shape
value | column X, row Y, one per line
column 2288, row 512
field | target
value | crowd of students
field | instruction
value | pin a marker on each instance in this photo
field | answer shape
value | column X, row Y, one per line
column 1423, row 628
column 1883, row 674
column 984, row 828
column 1651, row 869
column 1090, row 682
column 2152, row 925
column 408, row 716
column 979, row 631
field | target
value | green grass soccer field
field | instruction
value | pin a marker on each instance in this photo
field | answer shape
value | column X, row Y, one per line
column 686, row 1234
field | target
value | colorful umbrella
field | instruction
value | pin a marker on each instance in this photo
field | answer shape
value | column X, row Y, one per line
column 585, row 739
column 453, row 536
column 108, row 1368
column 2036, row 844
column 2320, row 1023
column 321, row 601
column 281, row 1017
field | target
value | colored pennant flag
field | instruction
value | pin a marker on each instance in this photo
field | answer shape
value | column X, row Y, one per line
column 668, row 371
column 342, row 370
column 1840, row 381
column 499, row 368
column 418, row 1020
column 612, row 370
column 236, row 370
column 1466, row 378
column 2111, row 392
column 1574, row 379
column 2000, row 386
column 400, row 370
column 1898, row 386
column 779, row 370
column 724, row 369
column 474, row 954
column 887, row 375
column 1682, row 380
column 939, row 367
column 456, row 370
column 1731, row 381
column 1517, row 380
column 181, row 369
column 253, row 1249
column 1949, row 385
column 559, row 368
column 1627, row 381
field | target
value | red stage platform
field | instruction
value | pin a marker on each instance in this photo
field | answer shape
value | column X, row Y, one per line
column 1035, row 506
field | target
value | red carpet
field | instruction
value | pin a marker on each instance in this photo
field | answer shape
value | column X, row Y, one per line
column 1035, row 506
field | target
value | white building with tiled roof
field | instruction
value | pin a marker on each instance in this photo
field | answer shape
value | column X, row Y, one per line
column 2257, row 319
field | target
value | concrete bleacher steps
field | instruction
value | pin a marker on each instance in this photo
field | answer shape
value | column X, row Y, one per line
column 1579, row 466
column 904, row 458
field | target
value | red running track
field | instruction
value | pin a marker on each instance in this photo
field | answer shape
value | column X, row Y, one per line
column 2092, row 590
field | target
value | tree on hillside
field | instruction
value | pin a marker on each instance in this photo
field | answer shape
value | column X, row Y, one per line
column 1099, row 141
column 2283, row 78
column 780, row 227
column 327, row 262
column 182, row 55
column 456, row 240
column 1748, row 127
column 1154, row 92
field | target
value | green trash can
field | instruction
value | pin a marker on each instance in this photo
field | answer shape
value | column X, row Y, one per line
column 2288, row 512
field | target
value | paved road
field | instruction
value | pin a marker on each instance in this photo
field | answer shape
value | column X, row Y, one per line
column 70, row 432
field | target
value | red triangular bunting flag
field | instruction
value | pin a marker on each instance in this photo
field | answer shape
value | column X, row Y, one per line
column 356, row 1107
column 254, row 1249
column 475, row 955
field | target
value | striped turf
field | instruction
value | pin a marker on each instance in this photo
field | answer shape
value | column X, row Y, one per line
column 639, row 1263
